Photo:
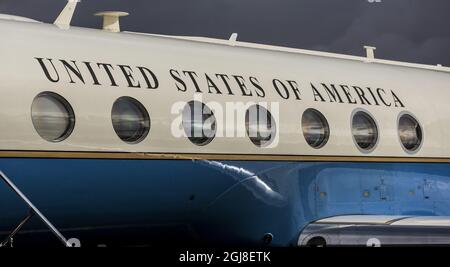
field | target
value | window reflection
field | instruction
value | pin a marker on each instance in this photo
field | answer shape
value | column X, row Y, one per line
column 364, row 130
column 199, row 123
column 410, row 132
column 315, row 128
column 52, row 117
column 260, row 125
column 130, row 120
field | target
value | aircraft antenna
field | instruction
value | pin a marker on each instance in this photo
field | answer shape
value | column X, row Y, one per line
column 111, row 21
column 370, row 52
column 65, row 17
column 233, row 38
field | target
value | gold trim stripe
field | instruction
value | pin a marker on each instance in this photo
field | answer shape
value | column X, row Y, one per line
column 232, row 157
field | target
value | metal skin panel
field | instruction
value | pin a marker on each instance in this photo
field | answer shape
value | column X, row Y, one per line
column 421, row 221
column 238, row 201
column 226, row 202
column 376, row 235
column 359, row 219
column 424, row 93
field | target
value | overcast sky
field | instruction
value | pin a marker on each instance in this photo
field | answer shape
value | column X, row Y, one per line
column 406, row 30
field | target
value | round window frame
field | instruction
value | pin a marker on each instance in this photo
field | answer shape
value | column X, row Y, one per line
column 273, row 126
column 140, row 107
column 417, row 149
column 209, row 139
column 326, row 124
column 72, row 117
column 377, row 140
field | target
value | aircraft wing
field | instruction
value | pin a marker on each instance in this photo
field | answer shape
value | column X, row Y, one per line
column 377, row 230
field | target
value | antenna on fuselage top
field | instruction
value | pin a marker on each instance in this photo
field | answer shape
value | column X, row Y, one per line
column 233, row 39
column 65, row 17
column 111, row 20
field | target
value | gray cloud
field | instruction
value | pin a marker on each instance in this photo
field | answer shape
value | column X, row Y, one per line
column 407, row 30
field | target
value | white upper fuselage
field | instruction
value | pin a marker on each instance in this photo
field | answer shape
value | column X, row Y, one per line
column 419, row 90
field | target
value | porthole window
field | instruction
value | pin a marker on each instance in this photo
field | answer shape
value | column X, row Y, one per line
column 315, row 128
column 52, row 117
column 199, row 123
column 260, row 126
column 410, row 132
column 365, row 131
column 130, row 120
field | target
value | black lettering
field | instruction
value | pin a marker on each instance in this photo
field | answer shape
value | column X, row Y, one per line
column 192, row 75
column 361, row 95
column 333, row 94
column 72, row 69
column 373, row 96
column 379, row 90
column 259, row 90
column 211, row 84
column 176, row 76
column 46, row 72
column 346, row 90
column 144, row 71
column 397, row 100
column 91, row 71
column 225, row 79
column 128, row 73
column 294, row 87
column 316, row 93
column 275, row 83
column 241, row 82
column 108, row 68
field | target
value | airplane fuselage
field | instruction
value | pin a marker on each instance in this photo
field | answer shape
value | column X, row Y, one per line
column 96, row 187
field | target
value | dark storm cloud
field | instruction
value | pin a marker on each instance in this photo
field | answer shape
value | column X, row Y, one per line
column 407, row 30
column 402, row 30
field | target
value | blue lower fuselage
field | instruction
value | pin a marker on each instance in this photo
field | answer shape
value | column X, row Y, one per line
column 226, row 202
